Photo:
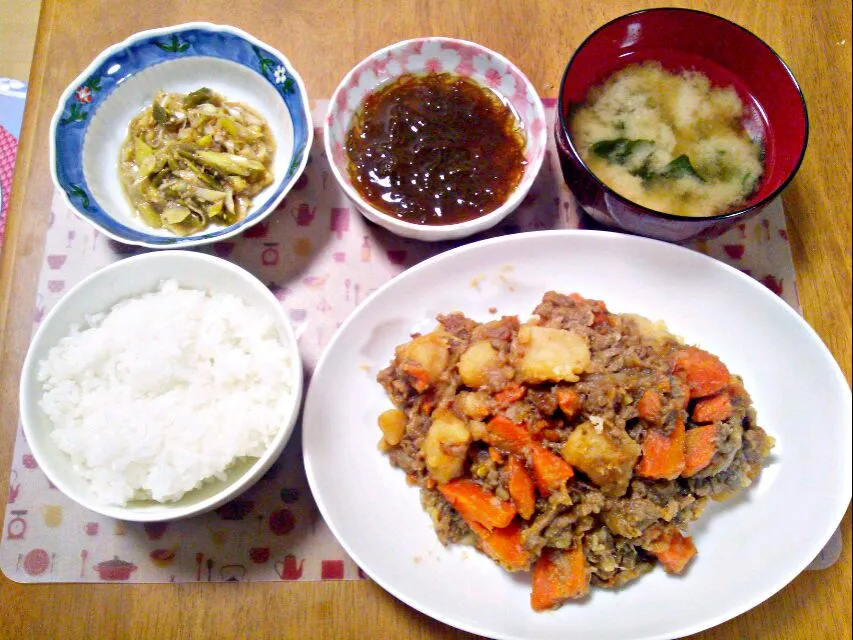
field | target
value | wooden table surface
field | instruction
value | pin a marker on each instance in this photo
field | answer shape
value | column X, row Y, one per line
column 323, row 40
column 18, row 22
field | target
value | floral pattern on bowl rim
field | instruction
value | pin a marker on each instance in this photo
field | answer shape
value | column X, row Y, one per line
column 94, row 86
column 439, row 55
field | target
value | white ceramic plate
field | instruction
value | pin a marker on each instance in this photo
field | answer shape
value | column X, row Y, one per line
column 749, row 548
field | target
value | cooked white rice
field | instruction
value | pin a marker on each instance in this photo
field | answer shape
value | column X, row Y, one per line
column 165, row 391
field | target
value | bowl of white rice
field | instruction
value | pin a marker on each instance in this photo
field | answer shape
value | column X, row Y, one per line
column 161, row 386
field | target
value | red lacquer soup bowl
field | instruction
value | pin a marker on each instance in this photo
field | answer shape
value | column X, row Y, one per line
column 729, row 55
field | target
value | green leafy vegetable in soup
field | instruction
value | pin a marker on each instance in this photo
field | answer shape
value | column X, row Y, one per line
column 196, row 159
column 667, row 141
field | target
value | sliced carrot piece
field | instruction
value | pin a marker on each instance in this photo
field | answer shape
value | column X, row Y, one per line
column 677, row 554
column 599, row 314
column 521, row 488
column 703, row 372
column 569, row 401
column 504, row 546
column 503, row 433
column 477, row 504
column 663, row 457
column 550, row 470
column 713, row 408
column 700, row 445
column 649, row 407
column 685, row 398
column 495, row 455
column 558, row 576
column 513, row 392
column 419, row 375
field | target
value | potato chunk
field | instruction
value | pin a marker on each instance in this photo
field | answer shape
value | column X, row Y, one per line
column 445, row 446
column 606, row 456
column 551, row 355
column 479, row 430
column 654, row 331
column 393, row 425
column 474, row 404
column 476, row 362
column 425, row 358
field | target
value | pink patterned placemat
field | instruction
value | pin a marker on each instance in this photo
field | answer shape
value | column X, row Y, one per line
column 321, row 259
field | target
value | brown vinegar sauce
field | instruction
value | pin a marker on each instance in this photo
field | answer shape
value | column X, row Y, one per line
column 435, row 149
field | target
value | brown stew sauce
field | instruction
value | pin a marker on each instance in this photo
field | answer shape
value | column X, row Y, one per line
column 435, row 149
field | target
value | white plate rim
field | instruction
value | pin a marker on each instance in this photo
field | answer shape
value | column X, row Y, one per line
column 804, row 557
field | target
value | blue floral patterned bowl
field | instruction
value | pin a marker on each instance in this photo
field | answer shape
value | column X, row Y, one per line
column 94, row 112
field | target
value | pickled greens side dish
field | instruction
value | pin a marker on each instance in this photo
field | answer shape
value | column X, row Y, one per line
column 196, row 159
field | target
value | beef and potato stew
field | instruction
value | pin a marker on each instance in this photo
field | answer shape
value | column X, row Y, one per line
column 578, row 444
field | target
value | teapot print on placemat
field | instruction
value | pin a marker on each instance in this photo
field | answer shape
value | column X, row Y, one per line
column 288, row 568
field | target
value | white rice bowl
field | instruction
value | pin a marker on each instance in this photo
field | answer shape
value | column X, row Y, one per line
column 166, row 399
